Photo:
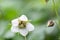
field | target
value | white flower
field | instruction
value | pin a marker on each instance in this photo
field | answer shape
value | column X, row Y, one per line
column 22, row 25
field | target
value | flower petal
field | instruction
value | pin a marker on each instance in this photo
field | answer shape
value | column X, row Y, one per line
column 15, row 22
column 14, row 29
column 23, row 18
column 23, row 32
column 29, row 27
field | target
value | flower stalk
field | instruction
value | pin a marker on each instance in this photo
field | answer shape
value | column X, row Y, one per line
column 56, row 12
column 25, row 38
column 55, row 8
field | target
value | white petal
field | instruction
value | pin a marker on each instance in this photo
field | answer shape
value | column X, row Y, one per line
column 23, row 18
column 14, row 29
column 23, row 32
column 29, row 27
column 15, row 22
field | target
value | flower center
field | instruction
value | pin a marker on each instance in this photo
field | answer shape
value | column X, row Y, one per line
column 22, row 24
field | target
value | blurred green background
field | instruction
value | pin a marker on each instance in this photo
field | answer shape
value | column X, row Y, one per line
column 39, row 11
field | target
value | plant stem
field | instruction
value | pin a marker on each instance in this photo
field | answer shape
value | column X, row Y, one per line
column 25, row 38
column 55, row 8
column 56, row 11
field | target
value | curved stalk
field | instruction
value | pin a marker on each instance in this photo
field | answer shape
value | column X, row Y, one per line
column 55, row 8
column 56, row 12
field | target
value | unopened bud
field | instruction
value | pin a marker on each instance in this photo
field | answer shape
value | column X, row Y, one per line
column 46, row 1
column 50, row 23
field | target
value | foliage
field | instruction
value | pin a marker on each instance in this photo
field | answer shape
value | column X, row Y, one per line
column 39, row 11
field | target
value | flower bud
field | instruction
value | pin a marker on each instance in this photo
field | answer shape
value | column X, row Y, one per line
column 46, row 1
column 50, row 23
